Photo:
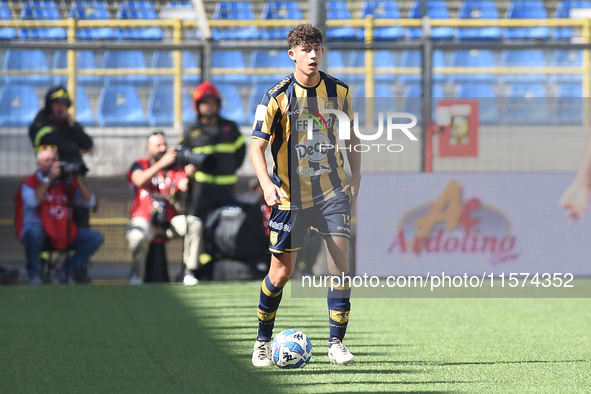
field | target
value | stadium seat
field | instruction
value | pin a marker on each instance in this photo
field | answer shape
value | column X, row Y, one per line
column 563, row 11
column 84, row 114
column 384, row 10
column 138, row 10
column 526, row 10
column 412, row 102
column 568, row 104
column 335, row 59
column 567, row 58
column 184, row 10
column 339, row 10
column 229, row 59
column 526, row 58
column 92, row 10
column 273, row 60
column 384, row 102
column 126, row 59
column 232, row 104
column 435, row 10
column 488, row 108
column 41, row 11
column 6, row 33
column 256, row 97
column 19, row 105
column 234, row 10
column 279, row 10
column 25, row 59
column 119, row 105
column 484, row 9
column 526, row 104
column 84, row 60
column 161, row 107
column 473, row 58
column 414, row 58
column 163, row 59
column 382, row 58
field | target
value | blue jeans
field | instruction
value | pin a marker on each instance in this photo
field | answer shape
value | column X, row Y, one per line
column 85, row 245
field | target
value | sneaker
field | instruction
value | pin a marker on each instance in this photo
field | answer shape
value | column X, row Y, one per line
column 135, row 280
column 61, row 276
column 81, row 276
column 338, row 353
column 261, row 355
column 35, row 280
column 189, row 278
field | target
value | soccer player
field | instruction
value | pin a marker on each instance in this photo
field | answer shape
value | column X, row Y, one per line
column 309, row 187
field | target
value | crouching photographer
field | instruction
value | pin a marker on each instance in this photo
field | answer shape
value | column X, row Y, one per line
column 156, row 181
column 43, row 212
column 221, row 147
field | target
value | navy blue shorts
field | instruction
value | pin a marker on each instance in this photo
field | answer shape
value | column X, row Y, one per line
column 330, row 218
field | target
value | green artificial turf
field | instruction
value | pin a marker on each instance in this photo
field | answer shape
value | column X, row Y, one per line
column 175, row 339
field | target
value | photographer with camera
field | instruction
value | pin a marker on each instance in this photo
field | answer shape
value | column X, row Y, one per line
column 155, row 181
column 211, row 185
column 43, row 212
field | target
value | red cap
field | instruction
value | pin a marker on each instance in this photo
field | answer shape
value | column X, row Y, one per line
column 206, row 90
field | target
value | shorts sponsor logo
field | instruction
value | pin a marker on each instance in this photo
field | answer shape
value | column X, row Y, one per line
column 273, row 237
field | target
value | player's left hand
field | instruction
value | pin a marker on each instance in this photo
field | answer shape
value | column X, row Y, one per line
column 352, row 188
column 575, row 200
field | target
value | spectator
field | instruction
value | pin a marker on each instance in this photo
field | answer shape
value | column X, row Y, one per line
column 209, row 188
column 42, row 212
column 155, row 181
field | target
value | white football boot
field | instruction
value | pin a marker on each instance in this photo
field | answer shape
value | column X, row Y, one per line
column 338, row 353
column 189, row 279
column 261, row 355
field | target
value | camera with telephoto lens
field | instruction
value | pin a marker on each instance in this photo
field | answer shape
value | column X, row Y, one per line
column 75, row 168
column 159, row 214
column 202, row 161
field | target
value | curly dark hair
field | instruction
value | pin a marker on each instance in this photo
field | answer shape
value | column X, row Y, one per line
column 303, row 34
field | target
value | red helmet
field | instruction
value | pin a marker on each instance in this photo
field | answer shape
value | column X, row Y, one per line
column 206, row 90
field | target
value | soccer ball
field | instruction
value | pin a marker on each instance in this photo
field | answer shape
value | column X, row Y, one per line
column 291, row 349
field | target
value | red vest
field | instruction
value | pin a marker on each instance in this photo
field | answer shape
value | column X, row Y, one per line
column 53, row 210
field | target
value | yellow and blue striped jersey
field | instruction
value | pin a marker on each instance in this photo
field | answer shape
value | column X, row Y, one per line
column 307, row 170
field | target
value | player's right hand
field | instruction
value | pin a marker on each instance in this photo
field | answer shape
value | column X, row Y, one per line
column 273, row 194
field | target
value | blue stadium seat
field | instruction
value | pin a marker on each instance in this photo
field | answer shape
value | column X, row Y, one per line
column 25, row 59
column 435, row 10
column 238, row 10
column 339, row 10
column 382, row 58
column 563, row 11
column 384, row 10
column 567, row 58
column 383, row 102
column 84, row 114
column 484, row 9
column 413, row 58
column 184, row 8
column 526, row 10
column 255, row 98
column 232, row 104
column 229, row 59
column 119, row 105
column 526, row 58
column 279, row 10
column 84, row 60
column 568, row 105
column 526, row 104
column 138, row 10
column 92, row 10
column 473, row 58
column 488, row 108
column 161, row 107
column 41, row 11
column 336, row 59
column 270, row 59
column 412, row 103
column 19, row 105
column 6, row 33
column 163, row 59
column 126, row 59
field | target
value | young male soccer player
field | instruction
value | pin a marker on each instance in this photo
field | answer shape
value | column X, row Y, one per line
column 309, row 186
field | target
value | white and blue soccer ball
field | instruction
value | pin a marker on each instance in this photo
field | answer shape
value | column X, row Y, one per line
column 291, row 349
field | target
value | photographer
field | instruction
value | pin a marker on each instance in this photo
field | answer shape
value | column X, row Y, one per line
column 209, row 187
column 42, row 211
column 155, row 181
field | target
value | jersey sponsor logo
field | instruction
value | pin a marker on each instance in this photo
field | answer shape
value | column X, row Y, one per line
column 310, row 172
column 260, row 112
column 314, row 149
